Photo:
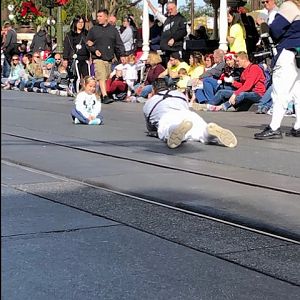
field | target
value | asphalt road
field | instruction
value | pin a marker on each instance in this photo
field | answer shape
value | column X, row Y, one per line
column 63, row 239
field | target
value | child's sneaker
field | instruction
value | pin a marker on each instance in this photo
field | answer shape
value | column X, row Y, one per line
column 224, row 136
column 95, row 122
column 76, row 121
column 178, row 133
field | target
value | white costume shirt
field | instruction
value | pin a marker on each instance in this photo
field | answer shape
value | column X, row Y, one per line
column 87, row 104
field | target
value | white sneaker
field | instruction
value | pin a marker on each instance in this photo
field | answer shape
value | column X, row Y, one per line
column 198, row 107
column 224, row 136
column 178, row 133
column 76, row 121
column 95, row 122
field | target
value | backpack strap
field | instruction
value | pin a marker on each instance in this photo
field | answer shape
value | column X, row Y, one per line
column 164, row 96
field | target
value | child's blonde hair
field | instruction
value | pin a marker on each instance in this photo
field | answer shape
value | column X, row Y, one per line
column 131, row 58
column 86, row 80
column 182, row 71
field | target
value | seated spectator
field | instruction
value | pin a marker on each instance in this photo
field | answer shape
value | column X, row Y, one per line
column 154, row 68
column 211, row 85
column 265, row 103
column 174, row 65
column 215, row 71
column 58, row 78
column 197, row 66
column 250, row 88
column 27, row 74
column 87, row 104
column 209, row 62
column 183, row 81
column 131, row 76
column 168, row 116
column 14, row 78
column 36, row 72
column 116, row 86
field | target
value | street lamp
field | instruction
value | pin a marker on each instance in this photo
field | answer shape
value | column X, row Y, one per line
column 11, row 8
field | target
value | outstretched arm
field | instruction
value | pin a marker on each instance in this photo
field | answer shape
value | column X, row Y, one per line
column 156, row 12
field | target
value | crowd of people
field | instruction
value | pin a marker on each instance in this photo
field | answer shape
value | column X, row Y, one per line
column 103, row 65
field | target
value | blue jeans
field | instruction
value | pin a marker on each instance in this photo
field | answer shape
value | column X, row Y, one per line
column 48, row 85
column 146, row 90
column 210, row 86
column 77, row 114
column 266, row 99
column 223, row 96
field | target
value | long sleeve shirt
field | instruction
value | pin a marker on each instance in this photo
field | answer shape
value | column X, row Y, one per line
column 87, row 104
column 252, row 80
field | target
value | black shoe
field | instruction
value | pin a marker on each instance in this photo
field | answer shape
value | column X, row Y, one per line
column 293, row 132
column 268, row 133
column 107, row 100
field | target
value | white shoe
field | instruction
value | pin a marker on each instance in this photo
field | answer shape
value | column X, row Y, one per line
column 198, row 107
column 224, row 136
column 96, row 121
column 76, row 121
column 178, row 133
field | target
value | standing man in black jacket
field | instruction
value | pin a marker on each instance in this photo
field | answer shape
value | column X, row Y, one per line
column 104, row 42
column 174, row 29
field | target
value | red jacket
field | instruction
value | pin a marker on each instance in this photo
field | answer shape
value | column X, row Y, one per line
column 252, row 80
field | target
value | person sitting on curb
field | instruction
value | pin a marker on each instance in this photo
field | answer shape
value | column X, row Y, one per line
column 168, row 117
column 174, row 65
column 251, row 87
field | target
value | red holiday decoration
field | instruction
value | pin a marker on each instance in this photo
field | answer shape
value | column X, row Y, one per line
column 62, row 2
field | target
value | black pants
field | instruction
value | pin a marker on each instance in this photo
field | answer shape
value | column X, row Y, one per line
column 82, row 70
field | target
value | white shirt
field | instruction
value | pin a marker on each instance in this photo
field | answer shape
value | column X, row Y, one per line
column 87, row 104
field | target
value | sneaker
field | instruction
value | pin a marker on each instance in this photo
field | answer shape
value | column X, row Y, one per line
column 14, row 88
column 76, row 121
column 293, row 132
column 199, row 107
column 107, row 100
column 62, row 93
column 52, row 92
column 211, row 107
column 141, row 99
column 259, row 110
column 224, row 136
column 268, row 133
column 96, row 121
column 178, row 133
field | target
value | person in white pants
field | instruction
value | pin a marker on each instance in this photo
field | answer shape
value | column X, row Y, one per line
column 168, row 116
column 286, row 73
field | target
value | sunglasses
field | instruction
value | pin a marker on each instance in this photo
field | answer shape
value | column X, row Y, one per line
column 263, row 2
column 58, row 60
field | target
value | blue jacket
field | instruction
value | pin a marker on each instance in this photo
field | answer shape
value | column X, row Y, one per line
column 285, row 29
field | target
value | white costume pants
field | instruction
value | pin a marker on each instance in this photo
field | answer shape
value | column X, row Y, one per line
column 173, row 118
column 286, row 87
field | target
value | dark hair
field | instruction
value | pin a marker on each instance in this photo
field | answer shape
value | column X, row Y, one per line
column 160, row 84
column 103, row 10
column 151, row 18
column 75, row 22
column 175, row 55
